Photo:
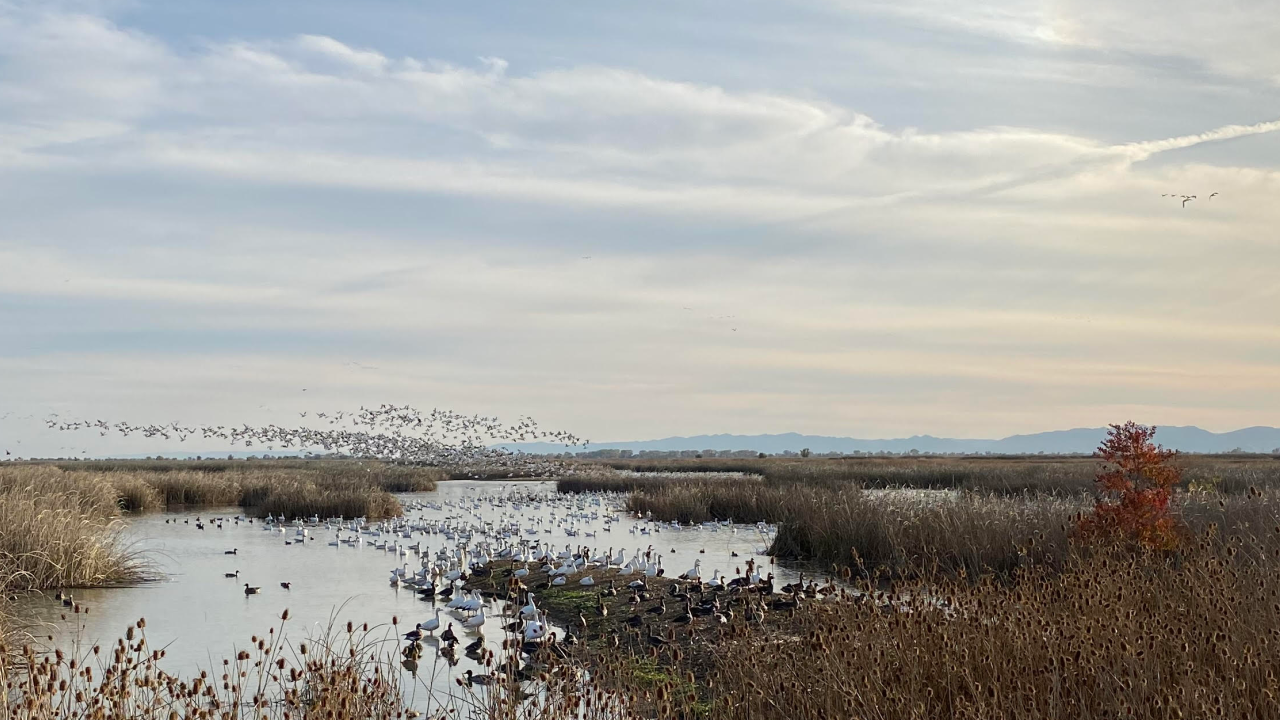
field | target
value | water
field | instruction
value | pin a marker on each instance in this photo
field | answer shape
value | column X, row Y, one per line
column 201, row 617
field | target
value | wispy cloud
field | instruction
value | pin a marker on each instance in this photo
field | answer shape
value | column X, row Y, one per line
column 516, row 232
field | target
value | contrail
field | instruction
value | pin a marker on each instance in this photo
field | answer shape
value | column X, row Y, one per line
column 1142, row 150
column 1125, row 155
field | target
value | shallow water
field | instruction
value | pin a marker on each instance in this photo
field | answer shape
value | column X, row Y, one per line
column 200, row 616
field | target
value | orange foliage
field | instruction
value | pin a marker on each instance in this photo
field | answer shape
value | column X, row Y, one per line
column 1135, row 487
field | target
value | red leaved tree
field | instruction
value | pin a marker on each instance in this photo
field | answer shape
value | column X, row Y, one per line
column 1135, row 487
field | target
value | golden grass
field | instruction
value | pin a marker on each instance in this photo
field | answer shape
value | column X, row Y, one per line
column 1110, row 636
column 343, row 675
column 353, row 672
column 1050, row 474
column 60, row 530
column 292, row 488
column 1105, row 634
column 900, row 532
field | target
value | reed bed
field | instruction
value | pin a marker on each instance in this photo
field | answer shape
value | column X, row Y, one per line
column 1111, row 635
column 607, row 480
column 292, row 488
column 915, row 534
column 342, row 675
column 354, row 672
column 745, row 501
column 902, row 532
column 61, row 530
column 1059, row 477
column 1053, row 475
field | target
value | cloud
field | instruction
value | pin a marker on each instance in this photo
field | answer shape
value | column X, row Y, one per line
column 299, row 111
column 1144, row 150
column 1230, row 38
column 241, row 213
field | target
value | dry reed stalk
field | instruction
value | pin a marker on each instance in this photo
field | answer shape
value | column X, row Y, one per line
column 1109, row 635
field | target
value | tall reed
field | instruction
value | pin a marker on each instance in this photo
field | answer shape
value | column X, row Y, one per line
column 1111, row 635
column 61, row 530
column 292, row 488
column 1014, row 475
column 342, row 675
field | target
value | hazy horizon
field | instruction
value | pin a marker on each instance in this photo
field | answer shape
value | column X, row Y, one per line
column 862, row 219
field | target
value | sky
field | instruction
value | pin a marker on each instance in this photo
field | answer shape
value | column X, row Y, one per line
column 871, row 218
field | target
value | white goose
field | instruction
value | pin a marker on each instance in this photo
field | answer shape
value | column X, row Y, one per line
column 474, row 621
column 535, row 629
column 530, row 611
column 432, row 625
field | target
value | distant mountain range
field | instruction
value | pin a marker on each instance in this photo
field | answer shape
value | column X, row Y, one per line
column 1079, row 440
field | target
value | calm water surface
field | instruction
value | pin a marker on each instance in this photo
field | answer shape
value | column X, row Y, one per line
column 200, row 616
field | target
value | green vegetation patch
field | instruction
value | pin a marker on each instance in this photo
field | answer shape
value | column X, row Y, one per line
column 565, row 599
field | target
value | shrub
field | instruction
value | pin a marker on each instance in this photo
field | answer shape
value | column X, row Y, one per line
column 1135, row 486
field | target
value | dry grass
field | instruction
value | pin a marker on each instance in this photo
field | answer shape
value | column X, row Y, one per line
column 683, row 497
column 1105, row 634
column 60, row 530
column 1111, row 636
column 901, row 532
column 293, row 488
column 1015, row 475
column 907, row 533
column 353, row 672
column 343, row 675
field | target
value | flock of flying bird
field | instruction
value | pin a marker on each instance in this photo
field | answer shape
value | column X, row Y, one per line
column 394, row 433
column 1187, row 198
